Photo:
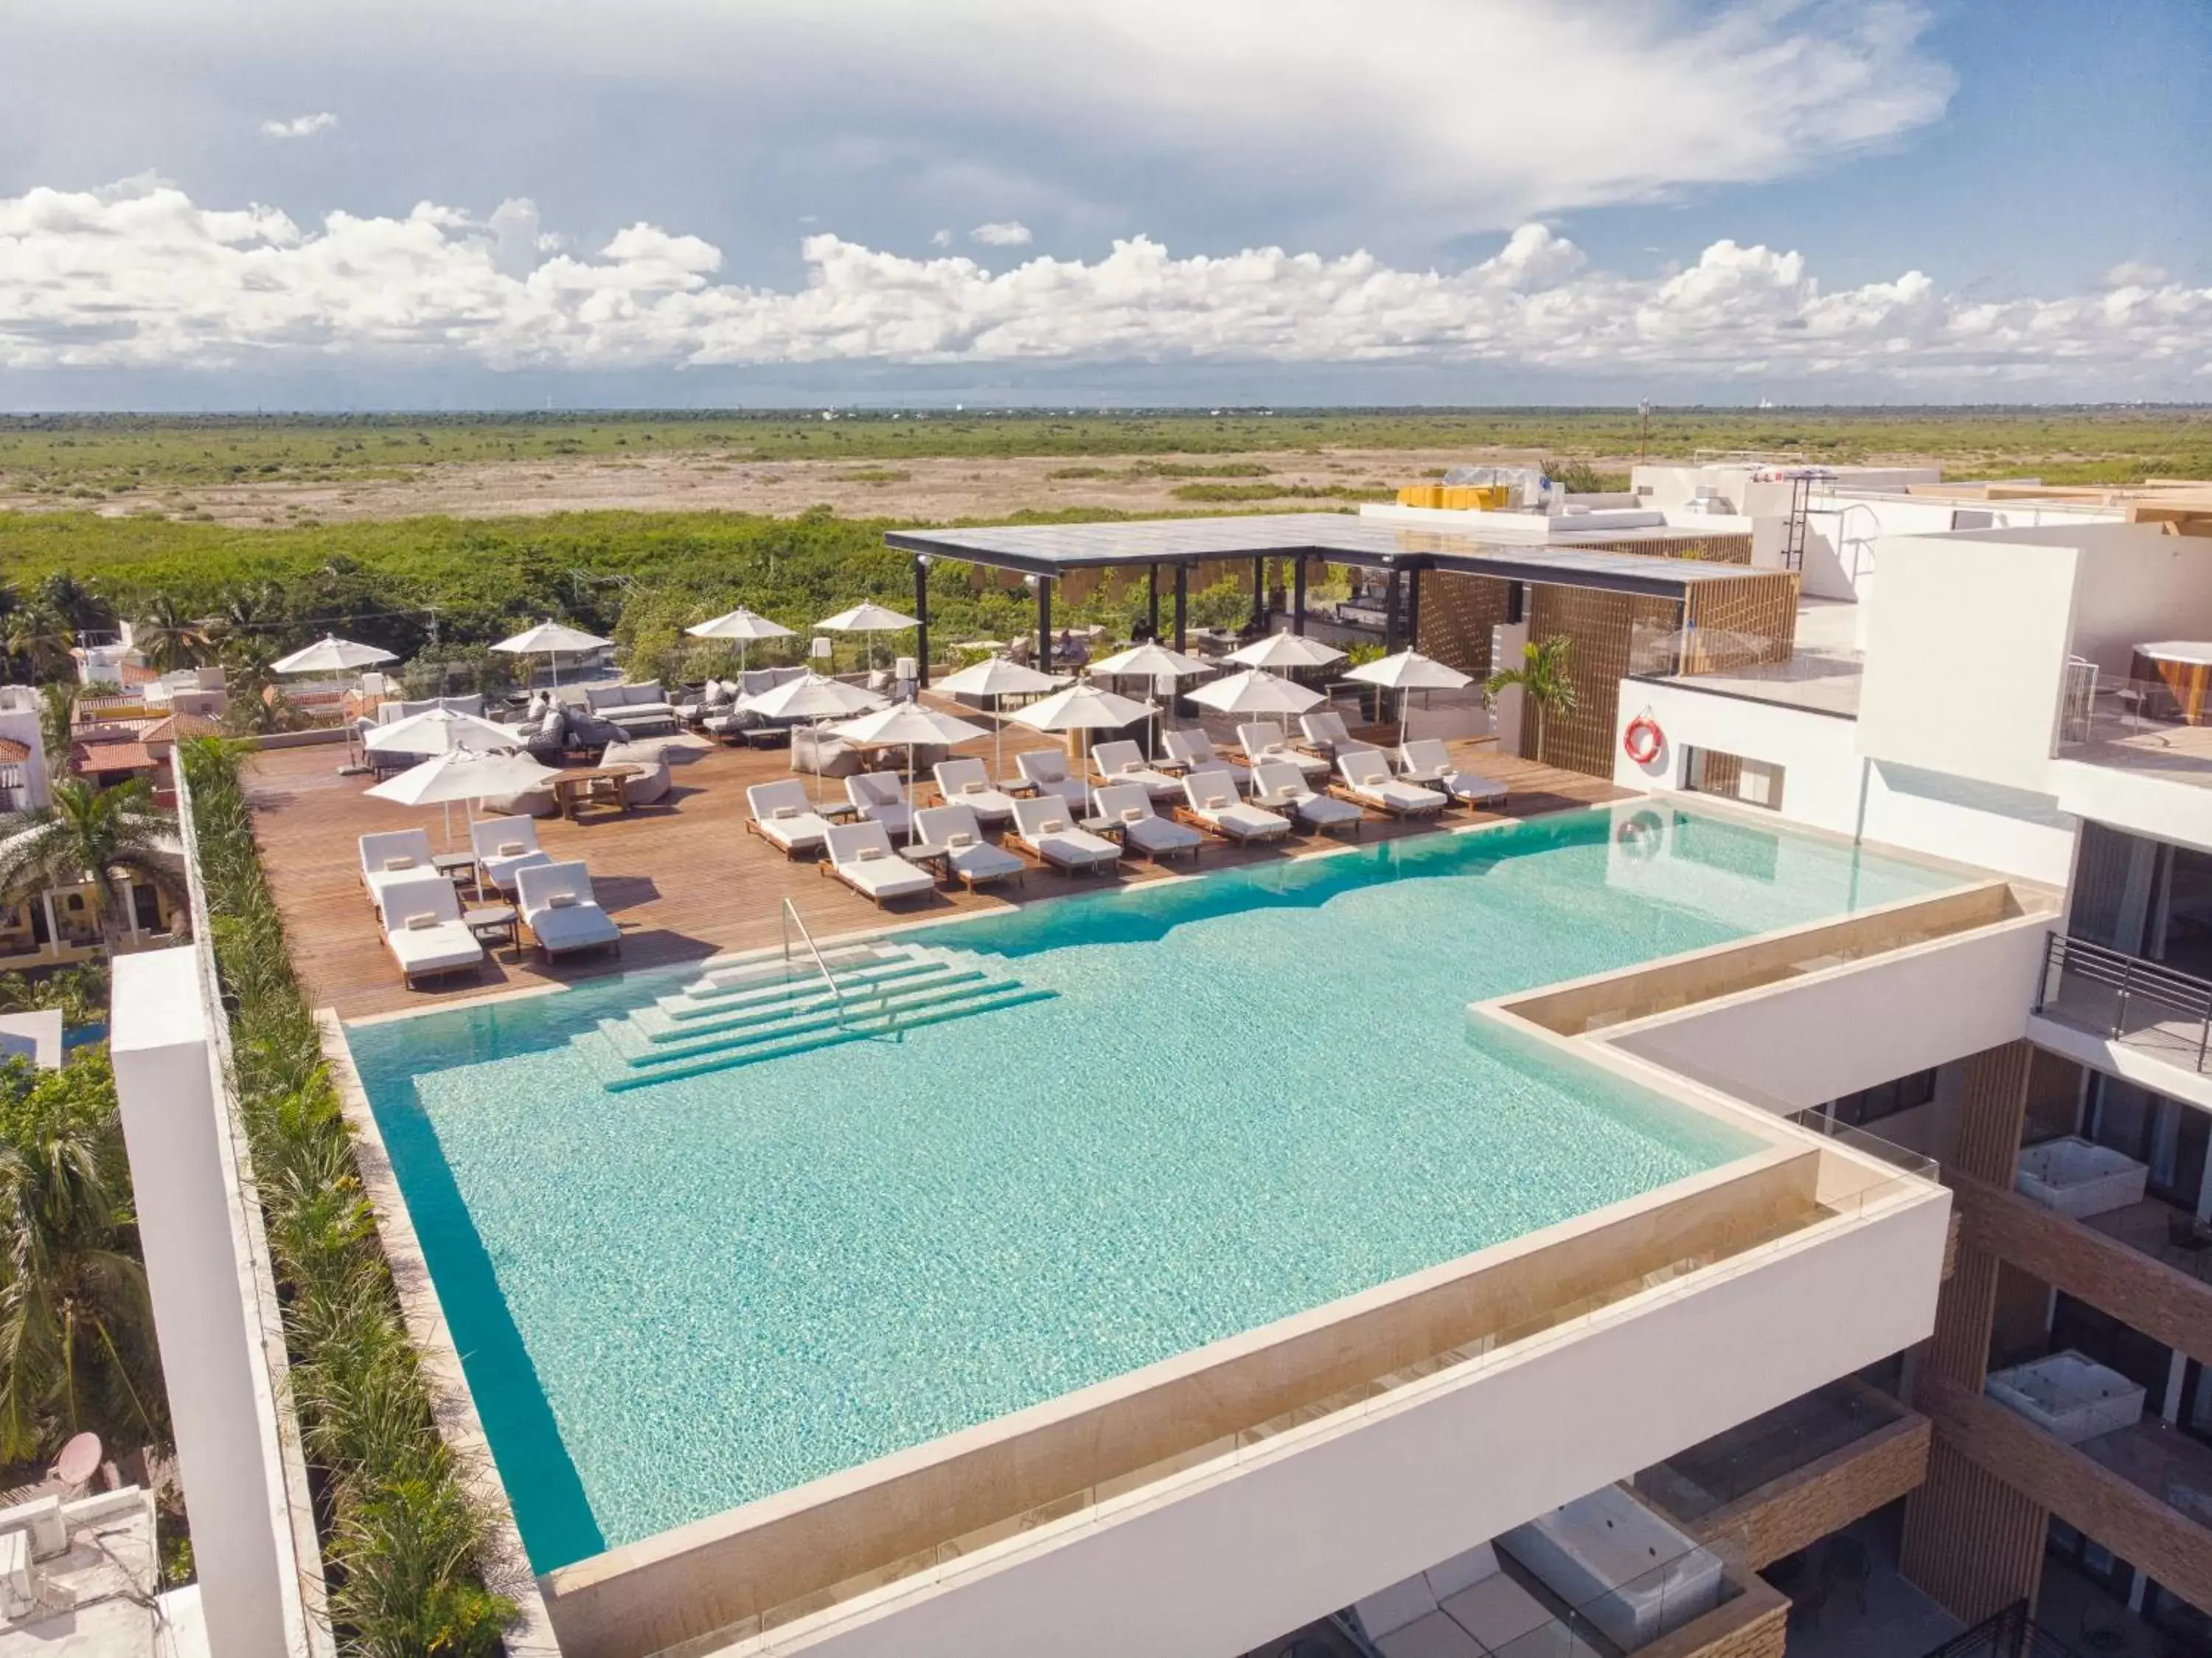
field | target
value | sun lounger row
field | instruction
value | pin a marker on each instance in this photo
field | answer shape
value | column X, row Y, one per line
column 420, row 913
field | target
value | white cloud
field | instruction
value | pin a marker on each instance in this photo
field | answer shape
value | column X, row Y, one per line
column 1002, row 233
column 139, row 276
column 940, row 238
column 300, row 126
column 2135, row 273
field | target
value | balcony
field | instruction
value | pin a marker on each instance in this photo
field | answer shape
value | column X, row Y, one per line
column 2122, row 998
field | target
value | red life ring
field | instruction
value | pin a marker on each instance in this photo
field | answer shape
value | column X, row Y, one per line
column 1643, row 739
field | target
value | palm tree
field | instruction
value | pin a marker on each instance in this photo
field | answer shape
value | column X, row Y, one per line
column 81, row 608
column 245, row 615
column 39, row 638
column 168, row 638
column 76, row 1349
column 92, row 835
column 1542, row 678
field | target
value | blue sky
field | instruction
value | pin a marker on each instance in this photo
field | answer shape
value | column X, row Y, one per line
column 487, row 202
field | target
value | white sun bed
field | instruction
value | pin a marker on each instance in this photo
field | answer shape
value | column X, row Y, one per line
column 1192, row 751
column 966, row 781
column 423, row 927
column 1367, row 780
column 783, row 817
column 972, row 860
column 1212, row 793
column 860, row 856
column 393, row 855
column 1325, row 734
column 1123, row 762
column 504, row 846
column 881, row 798
column 1045, row 770
column 1264, row 739
column 1044, row 828
column 1281, row 787
column 559, row 909
column 1425, row 760
column 1143, row 829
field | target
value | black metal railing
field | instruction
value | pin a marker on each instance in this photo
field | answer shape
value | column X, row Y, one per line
column 2008, row 1634
column 2127, row 998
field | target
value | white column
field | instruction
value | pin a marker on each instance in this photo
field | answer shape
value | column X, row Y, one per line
column 202, row 1285
column 1506, row 639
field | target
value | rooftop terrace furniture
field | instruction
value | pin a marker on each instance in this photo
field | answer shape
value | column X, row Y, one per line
column 1212, row 793
column 880, row 797
column 504, row 846
column 631, row 707
column 966, row 782
column 1123, row 762
column 1264, row 739
column 819, row 753
column 1143, row 829
column 423, row 930
column 1325, row 734
column 1191, row 750
column 784, row 817
column 393, row 855
column 651, row 781
column 1281, row 787
column 557, row 906
column 1426, row 761
column 969, row 858
column 1044, row 828
column 1045, row 770
column 860, row 856
column 1367, row 780
column 1618, row 1564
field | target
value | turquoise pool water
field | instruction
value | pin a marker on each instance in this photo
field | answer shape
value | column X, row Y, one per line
column 1250, row 1094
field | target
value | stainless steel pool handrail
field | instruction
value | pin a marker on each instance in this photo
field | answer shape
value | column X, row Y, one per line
column 791, row 919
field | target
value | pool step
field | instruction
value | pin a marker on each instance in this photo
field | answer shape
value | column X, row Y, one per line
column 763, row 1012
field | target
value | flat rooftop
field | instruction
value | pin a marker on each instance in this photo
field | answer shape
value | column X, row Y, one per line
column 1339, row 537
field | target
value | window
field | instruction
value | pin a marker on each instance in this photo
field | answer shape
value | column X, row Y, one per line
column 1732, row 776
column 1885, row 1100
column 2169, row 1136
column 1973, row 518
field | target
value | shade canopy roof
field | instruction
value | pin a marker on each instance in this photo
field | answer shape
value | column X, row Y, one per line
column 739, row 623
column 867, row 618
column 1082, row 707
column 550, row 636
column 1410, row 671
column 996, row 676
column 330, row 655
column 441, row 731
column 812, row 697
column 1255, row 691
column 1286, row 651
column 462, row 774
column 907, row 723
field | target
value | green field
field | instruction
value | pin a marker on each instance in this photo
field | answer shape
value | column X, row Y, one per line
column 59, row 458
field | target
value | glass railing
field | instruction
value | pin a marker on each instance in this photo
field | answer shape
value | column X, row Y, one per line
column 1720, row 1472
column 2096, row 708
column 1742, row 1247
column 2110, row 993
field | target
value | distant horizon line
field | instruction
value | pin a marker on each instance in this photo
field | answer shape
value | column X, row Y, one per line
column 1200, row 410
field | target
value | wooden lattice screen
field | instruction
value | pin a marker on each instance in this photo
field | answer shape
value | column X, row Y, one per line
column 1457, row 615
column 1755, row 616
column 1599, row 626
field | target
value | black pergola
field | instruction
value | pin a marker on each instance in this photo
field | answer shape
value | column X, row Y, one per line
column 1042, row 553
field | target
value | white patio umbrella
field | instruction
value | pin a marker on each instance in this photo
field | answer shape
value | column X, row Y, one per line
column 812, row 697
column 997, row 678
column 1083, row 707
column 330, row 655
column 442, row 731
column 869, row 619
column 744, row 626
column 907, row 725
column 461, row 774
column 1408, row 671
column 549, row 639
column 1286, row 652
column 1255, row 691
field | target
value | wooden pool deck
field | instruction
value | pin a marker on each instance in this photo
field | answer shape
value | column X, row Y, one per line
column 682, row 878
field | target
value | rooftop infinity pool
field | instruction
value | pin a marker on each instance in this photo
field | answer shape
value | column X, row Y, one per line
column 1137, row 1121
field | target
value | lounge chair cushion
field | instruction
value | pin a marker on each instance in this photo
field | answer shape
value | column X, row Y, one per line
column 418, row 922
column 508, row 849
column 399, row 863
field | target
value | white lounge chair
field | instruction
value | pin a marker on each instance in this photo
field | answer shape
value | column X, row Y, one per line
column 1044, row 828
column 784, row 818
column 1192, row 750
column 972, row 860
column 1281, row 787
column 1425, row 760
column 1213, row 796
column 1263, row 739
column 557, row 906
column 881, row 798
column 423, row 928
column 504, row 846
column 394, row 855
column 860, row 855
column 1325, row 734
column 1367, row 780
column 967, row 783
column 1123, row 762
column 1143, row 829
column 1045, row 770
